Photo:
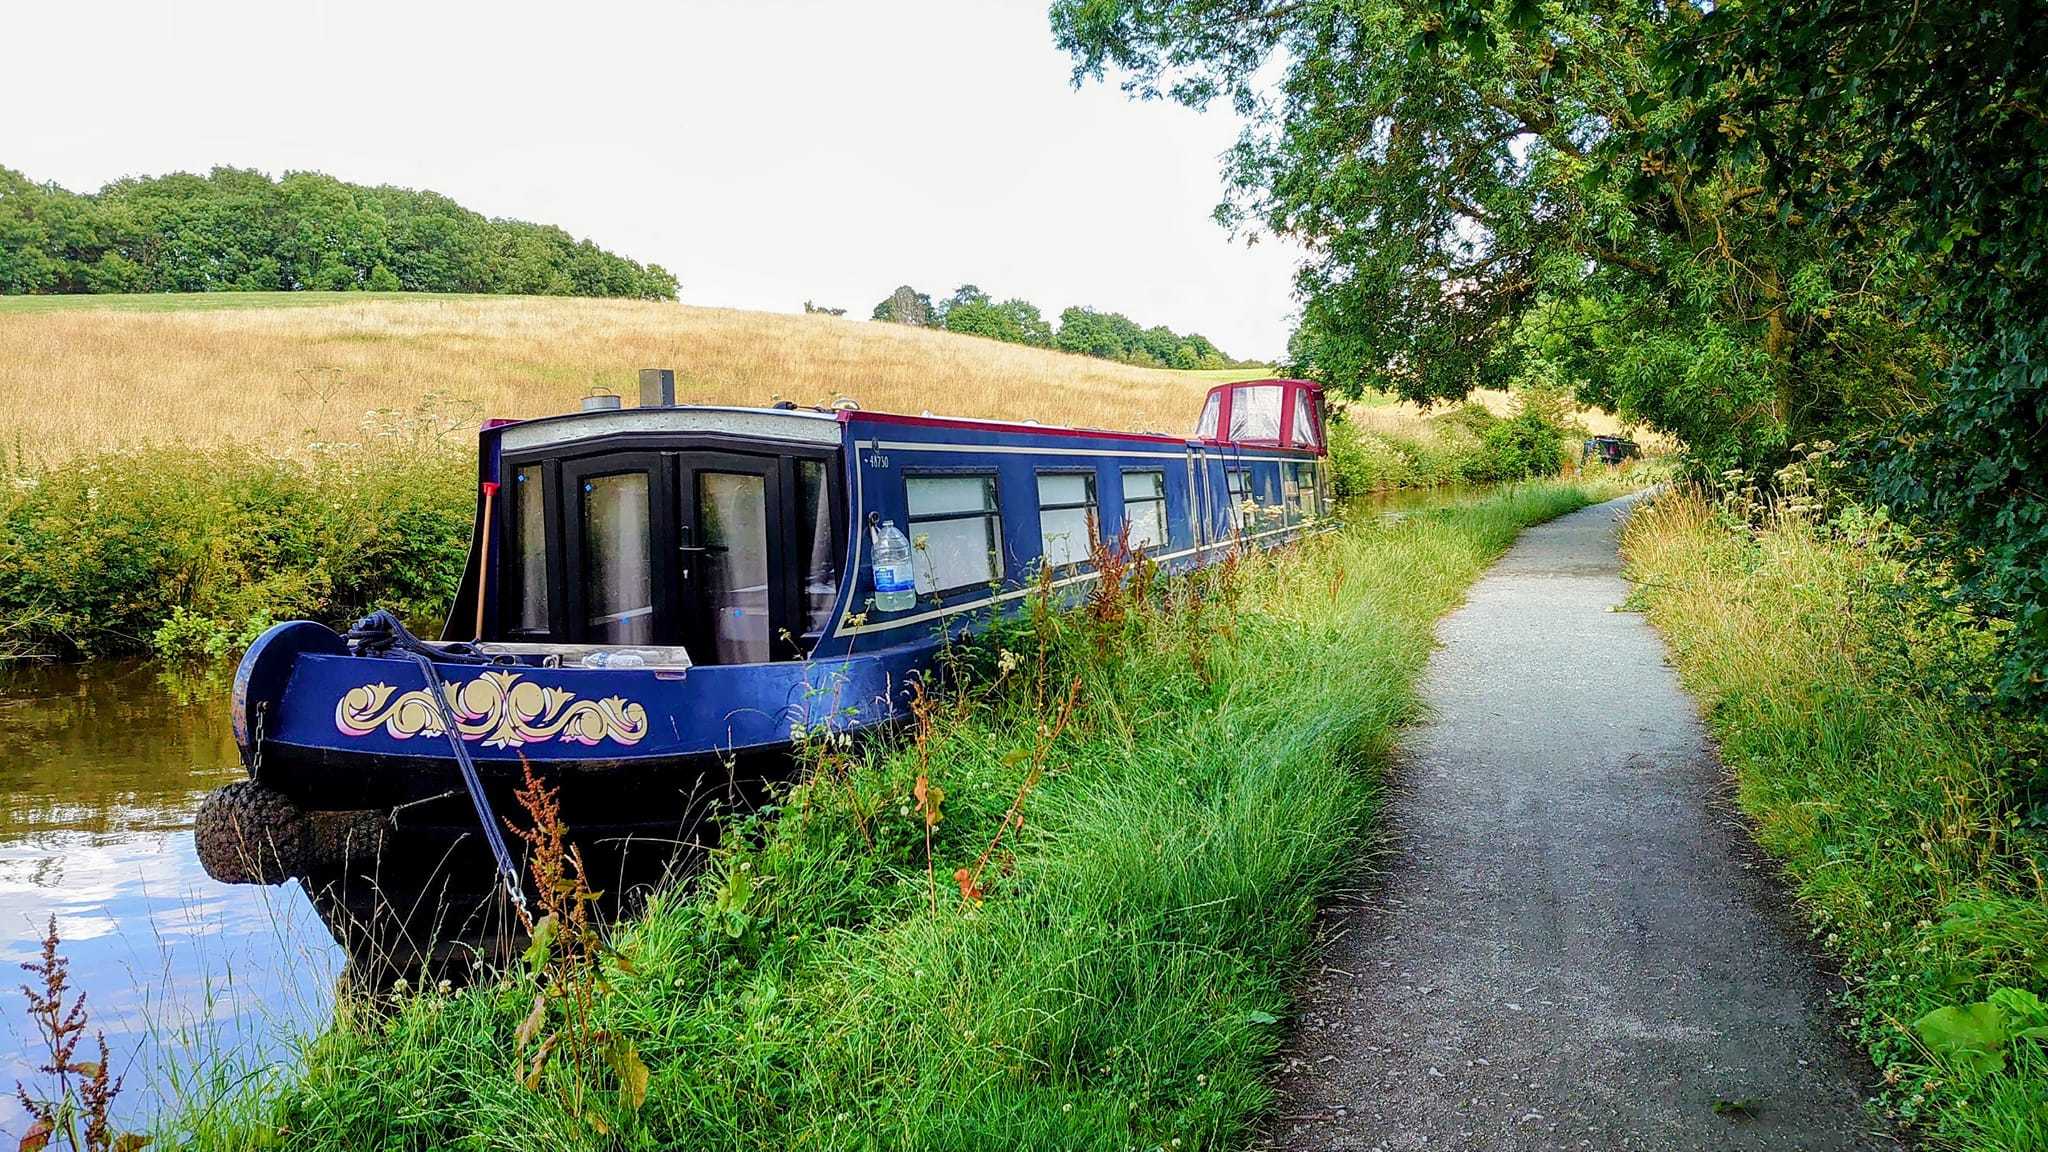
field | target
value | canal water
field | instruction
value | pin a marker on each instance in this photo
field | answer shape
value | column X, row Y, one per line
column 101, row 769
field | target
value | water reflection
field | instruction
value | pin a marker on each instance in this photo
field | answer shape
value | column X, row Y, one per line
column 101, row 768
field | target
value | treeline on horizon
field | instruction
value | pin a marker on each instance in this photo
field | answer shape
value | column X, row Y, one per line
column 237, row 230
column 1084, row 331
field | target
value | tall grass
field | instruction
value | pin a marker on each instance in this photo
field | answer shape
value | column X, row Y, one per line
column 1065, row 912
column 1909, row 818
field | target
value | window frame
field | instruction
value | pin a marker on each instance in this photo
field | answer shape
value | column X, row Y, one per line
column 992, row 516
column 1165, row 544
column 1237, row 488
column 1092, row 505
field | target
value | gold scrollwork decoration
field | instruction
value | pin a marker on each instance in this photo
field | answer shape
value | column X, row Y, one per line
column 497, row 708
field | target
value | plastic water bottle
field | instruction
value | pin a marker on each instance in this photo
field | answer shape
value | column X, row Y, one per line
column 895, row 587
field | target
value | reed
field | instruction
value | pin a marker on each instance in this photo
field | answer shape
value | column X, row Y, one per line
column 1142, row 806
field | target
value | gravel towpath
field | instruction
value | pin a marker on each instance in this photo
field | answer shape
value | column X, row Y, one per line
column 1571, row 942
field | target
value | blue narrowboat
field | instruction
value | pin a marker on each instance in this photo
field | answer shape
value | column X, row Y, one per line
column 657, row 597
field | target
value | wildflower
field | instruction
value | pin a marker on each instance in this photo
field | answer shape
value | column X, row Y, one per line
column 400, row 986
column 445, row 987
column 920, row 541
column 1007, row 661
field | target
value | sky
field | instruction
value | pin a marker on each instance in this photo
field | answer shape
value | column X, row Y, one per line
column 765, row 151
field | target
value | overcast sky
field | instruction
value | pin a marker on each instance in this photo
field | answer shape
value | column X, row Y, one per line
column 766, row 151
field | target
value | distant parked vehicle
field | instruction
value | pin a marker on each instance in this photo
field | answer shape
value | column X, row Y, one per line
column 1608, row 450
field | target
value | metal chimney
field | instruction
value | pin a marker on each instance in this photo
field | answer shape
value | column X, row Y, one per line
column 657, row 387
column 600, row 402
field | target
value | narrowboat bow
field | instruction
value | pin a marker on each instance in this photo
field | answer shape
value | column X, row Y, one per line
column 657, row 598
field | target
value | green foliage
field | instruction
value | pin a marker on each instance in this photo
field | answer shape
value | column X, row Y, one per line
column 906, row 305
column 1106, row 335
column 1750, row 225
column 194, row 552
column 1926, row 131
column 237, row 230
column 1012, row 321
column 1112, row 979
column 1465, row 178
column 1910, row 820
column 1115, row 336
column 1465, row 445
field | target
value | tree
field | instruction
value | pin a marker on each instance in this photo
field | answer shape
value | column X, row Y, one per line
column 237, row 230
column 966, row 294
column 906, row 305
column 1458, row 173
column 1924, row 127
column 1013, row 321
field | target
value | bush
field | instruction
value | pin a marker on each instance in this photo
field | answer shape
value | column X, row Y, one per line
column 192, row 552
column 1371, row 453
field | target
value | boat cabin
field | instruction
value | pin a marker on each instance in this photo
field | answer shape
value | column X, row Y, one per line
column 727, row 536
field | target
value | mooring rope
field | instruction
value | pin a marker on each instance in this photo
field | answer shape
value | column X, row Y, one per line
column 382, row 632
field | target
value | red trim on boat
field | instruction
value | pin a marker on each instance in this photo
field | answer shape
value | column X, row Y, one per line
column 850, row 415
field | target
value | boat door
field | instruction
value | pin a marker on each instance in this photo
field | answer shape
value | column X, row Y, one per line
column 620, row 572
column 678, row 548
column 727, row 507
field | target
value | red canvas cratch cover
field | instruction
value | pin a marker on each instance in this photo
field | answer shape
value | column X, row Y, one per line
column 1264, row 414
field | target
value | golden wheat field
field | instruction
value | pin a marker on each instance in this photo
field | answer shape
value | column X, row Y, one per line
column 75, row 379
column 290, row 371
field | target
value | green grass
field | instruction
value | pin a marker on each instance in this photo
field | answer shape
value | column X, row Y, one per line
column 1907, row 817
column 206, row 301
column 1123, row 981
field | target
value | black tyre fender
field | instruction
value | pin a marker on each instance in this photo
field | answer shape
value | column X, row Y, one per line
column 249, row 834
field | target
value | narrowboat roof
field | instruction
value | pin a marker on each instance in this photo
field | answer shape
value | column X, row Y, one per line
column 801, row 425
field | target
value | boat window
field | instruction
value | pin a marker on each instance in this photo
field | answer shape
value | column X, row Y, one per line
column 1238, row 482
column 1255, row 412
column 814, row 544
column 1298, row 491
column 732, row 519
column 528, row 557
column 618, row 582
column 1066, row 517
column 1206, row 428
column 1304, row 434
column 1145, row 508
column 955, row 531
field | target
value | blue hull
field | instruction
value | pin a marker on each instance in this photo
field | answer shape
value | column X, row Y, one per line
column 336, row 731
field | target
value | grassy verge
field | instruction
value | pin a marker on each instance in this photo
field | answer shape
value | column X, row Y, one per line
column 1909, row 820
column 1064, row 913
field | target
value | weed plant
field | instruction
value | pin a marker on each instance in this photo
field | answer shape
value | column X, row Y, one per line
column 1907, row 814
column 1139, row 804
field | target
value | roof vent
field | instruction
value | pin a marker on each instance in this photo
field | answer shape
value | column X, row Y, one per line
column 657, row 387
column 601, row 402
